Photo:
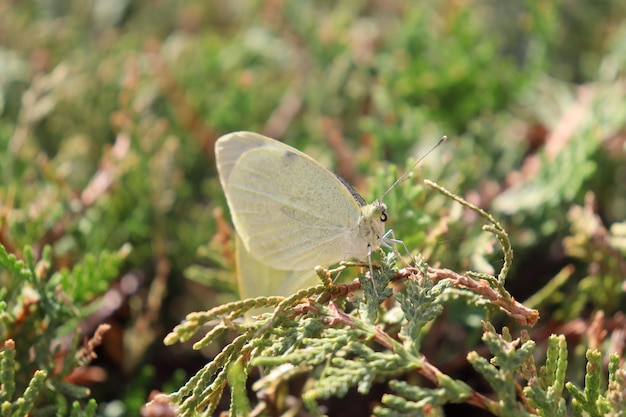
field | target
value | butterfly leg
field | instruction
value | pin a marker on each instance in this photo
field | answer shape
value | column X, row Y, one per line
column 391, row 242
column 369, row 259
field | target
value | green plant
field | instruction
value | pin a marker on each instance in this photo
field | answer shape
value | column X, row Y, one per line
column 339, row 342
column 343, row 342
column 109, row 110
column 39, row 319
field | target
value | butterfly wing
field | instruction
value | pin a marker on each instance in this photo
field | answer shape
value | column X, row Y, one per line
column 257, row 279
column 290, row 212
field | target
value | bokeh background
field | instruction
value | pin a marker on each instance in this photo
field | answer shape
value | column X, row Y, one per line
column 109, row 110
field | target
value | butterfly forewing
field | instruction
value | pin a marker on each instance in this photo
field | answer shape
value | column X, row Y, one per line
column 291, row 212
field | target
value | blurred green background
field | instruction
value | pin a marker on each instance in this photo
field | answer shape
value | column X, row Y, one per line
column 109, row 110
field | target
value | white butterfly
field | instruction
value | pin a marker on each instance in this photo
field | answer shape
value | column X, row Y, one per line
column 292, row 213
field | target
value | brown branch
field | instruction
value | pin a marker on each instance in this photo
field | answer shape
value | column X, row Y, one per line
column 520, row 313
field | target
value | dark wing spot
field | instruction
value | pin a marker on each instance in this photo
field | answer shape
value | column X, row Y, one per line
column 289, row 158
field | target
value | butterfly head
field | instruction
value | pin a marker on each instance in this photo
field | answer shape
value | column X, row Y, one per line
column 372, row 222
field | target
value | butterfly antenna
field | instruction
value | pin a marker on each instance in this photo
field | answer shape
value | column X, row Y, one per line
column 410, row 171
